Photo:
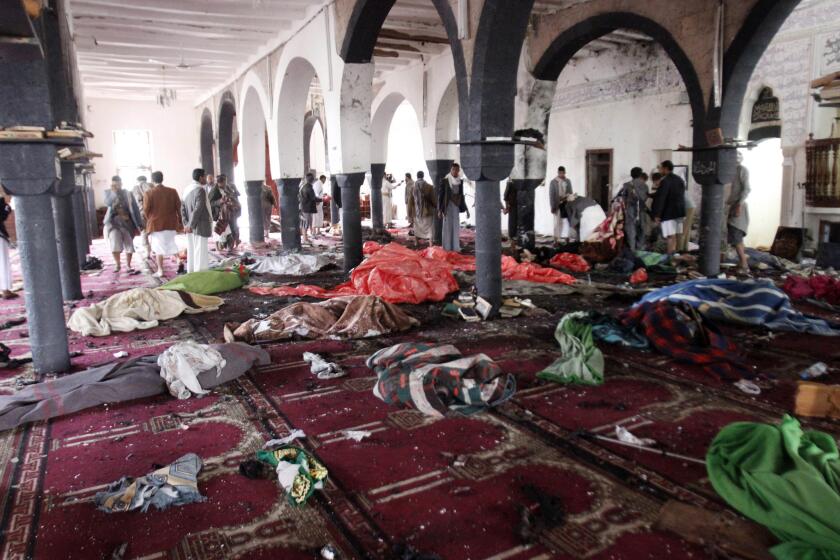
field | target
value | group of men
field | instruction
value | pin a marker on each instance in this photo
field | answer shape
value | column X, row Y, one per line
column 668, row 207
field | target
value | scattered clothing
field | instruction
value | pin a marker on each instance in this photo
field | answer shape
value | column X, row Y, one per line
column 610, row 330
column 206, row 282
column 754, row 302
column 512, row 270
column 322, row 368
column 181, row 363
column 783, row 478
column 570, row 261
column 640, row 276
column 298, row 472
column 340, row 317
column 292, row 264
column 436, row 379
column 581, row 362
column 821, row 287
column 138, row 308
column 173, row 485
column 456, row 260
column 680, row 332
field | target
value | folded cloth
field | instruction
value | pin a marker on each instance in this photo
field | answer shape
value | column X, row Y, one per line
column 116, row 382
column 677, row 330
column 173, row 485
column 298, row 472
column 138, row 308
column 206, row 282
column 341, row 317
column 435, row 379
column 753, row 302
column 581, row 362
column 293, row 264
column 785, row 479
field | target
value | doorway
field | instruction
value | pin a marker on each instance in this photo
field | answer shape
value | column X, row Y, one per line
column 599, row 176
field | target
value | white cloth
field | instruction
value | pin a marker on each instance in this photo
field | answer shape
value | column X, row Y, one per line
column 590, row 219
column 291, row 264
column 562, row 228
column 672, row 227
column 181, row 363
column 197, row 255
column 5, row 266
column 387, row 201
column 138, row 308
column 163, row 243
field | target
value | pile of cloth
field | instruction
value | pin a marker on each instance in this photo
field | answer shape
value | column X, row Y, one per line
column 570, row 261
column 292, row 264
column 437, row 379
column 370, row 247
column 173, row 485
column 207, row 282
column 138, row 308
column 456, row 260
column 755, row 302
column 512, row 270
column 297, row 471
column 581, row 362
column 394, row 273
column 784, row 478
column 820, row 287
column 120, row 381
column 341, row 317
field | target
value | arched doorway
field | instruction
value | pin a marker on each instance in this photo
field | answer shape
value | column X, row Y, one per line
column 404, row 152
column 251, row 172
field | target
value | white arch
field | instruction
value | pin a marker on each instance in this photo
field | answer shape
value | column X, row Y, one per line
column 447, row 123
column 253, row 118
column 381, row 125
column 290, row 108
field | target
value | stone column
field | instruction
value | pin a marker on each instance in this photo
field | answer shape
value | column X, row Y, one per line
column 712, row 169
column 290, row 212
column 253, row 190
column 91, row 207
column 351, row 218
column 524, row 234
column 438, row 169
column 42, row 283
column 377, row 173
column 488, row 242
column 65, row 234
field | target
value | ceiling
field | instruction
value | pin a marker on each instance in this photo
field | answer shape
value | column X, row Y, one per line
column 115, row 40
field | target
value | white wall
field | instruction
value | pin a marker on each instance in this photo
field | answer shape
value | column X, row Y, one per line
column 175, row 140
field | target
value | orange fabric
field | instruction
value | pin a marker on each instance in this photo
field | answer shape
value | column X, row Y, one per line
column 570, row 261
column 370, row 247
column 639, row 277
column 456, row 260
column 512, row 270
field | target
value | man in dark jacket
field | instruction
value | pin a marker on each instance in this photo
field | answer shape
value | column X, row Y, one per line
column 669, row 205
column 308, row 205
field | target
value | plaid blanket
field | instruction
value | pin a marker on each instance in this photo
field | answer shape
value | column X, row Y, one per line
column 754, row 302
column 680, row 332
column 435, row 379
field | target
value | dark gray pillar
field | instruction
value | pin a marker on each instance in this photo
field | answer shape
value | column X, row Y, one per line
column 488, row 242
column 91, row 208
column 290, row 212
column 335, row 212
column 351, row 218
column 525, row 235
column 82, row 244
column 377, row 173
column 438, row 169
column 253, row 190
column 65, row 238
column 41, row 283
column 711, row 226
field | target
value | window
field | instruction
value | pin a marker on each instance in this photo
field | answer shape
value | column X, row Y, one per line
column 133, row 149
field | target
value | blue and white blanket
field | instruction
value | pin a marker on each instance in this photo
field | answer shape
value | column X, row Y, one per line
column 753, row 302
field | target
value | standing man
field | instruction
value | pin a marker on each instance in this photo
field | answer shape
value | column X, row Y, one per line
column 308, row 205
column 510, row 208
column 162, row 208
column 738, row 221
column 5, row 261
column 634, row 193
column 425, row 207
column 121, row 223
column 559, row 188
column 451, row 203
column 268, row 204
column 198, row 222
column 669, row 205
column 139, row 191
column 319, row 187
column 209, row 183
column 224, row 189
column 388, row 186
column 409, row 199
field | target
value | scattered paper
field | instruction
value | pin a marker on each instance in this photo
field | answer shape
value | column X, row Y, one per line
column 356, row 435
column 296, row 434
column 121, row 354
column 322, row 368
column 748, row 387
column 623, row 434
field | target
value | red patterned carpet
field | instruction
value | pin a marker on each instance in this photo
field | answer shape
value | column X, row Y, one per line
column 452, row 487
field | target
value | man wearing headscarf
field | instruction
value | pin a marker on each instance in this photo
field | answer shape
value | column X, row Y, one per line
column 451, row 202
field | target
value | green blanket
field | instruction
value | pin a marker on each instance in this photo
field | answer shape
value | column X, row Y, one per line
column 206, row 282
column 785, row 479
column 582, row 362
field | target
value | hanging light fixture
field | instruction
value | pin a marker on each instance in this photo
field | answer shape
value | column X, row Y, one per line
column 166, row 96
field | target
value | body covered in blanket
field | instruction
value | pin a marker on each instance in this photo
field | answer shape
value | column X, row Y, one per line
column 341, row 317
column 138, row 308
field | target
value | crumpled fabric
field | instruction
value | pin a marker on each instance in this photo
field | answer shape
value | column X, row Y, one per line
column 581, row 362
column 298, row 472
column 206, row 282
column 512, row 270
column 821, row 287
column 138, row 308
column 570, row 261
column 370, row 247
column 293, row 264
column 640, row 276
column 394, row 273
column 682, row 333
column 321, row 368
column 173, row 485
column 181, row 363
column 436, row 379
column 784, row 478
column 342, row 317
column 755, row 302
column 610, row 330
column 453, row 258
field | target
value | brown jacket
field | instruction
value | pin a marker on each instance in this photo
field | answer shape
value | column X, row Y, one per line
column 162, row 208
